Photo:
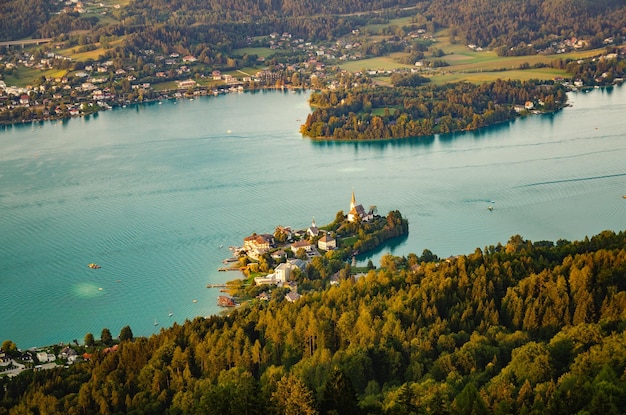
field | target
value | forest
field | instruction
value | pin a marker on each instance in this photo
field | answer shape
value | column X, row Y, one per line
column 517, row 328
column 506, row 25
column 424, row 110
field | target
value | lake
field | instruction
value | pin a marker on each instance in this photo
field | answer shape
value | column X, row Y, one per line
column 156, row 193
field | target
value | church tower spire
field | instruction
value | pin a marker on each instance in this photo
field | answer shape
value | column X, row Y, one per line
column 353, row 201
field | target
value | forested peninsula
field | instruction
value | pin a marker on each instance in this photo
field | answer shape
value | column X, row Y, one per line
column 520, row 328
column 409, row 111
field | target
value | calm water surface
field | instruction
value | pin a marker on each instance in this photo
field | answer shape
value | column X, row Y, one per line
column 152, row 192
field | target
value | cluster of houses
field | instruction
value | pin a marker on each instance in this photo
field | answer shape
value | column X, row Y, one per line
column 310, row 242
column 37, row 359
column 77, row 6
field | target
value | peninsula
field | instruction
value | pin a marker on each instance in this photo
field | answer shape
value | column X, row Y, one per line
column 312, row 258
column 408, row 111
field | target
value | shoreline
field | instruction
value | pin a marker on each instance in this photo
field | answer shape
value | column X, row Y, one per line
column 166, row 95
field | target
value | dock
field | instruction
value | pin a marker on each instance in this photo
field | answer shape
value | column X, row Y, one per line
column 216, row 285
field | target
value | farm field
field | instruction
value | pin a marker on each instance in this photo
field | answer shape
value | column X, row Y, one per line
column 260, row 52
column 466, row 64
column 95, row 54
column 385, row 63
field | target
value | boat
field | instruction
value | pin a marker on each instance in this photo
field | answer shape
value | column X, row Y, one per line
column 94, row 266
column 490, row 208
column 156, row 323
column 194, row 301
column 170, row 314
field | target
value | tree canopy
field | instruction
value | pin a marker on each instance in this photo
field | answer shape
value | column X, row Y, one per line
column 524, row 327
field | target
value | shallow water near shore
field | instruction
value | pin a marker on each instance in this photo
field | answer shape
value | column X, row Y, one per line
column 156, row 193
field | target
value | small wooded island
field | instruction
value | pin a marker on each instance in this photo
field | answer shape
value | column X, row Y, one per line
column 413, row 108
column 312, row 258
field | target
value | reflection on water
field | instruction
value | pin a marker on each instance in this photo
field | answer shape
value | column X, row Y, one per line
column 424, row 141
column 387, row 248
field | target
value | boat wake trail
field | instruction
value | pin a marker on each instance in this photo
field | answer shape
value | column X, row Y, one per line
column 578, row 179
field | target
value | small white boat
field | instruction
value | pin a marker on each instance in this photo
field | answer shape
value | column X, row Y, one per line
column 156, row 323
column 170, row 314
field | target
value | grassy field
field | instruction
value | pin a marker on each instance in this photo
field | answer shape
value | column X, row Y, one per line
column 102, row 19
column 26, row 76
column 261, row 52
column 92, row 54
column 343, row 242
column 164, row 86
column 381, row 111
column 376, row 28
column 385, row 63
column 480, row 77
column 468, row 65
column 247, row 71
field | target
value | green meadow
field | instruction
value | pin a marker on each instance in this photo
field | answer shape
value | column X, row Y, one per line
column 376, row 28
column 95, row 54
column 260, row 52
column 26, row 76
column 466, row 64
column 385, row 63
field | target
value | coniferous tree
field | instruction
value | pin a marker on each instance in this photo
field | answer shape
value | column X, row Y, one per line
column 338, row 394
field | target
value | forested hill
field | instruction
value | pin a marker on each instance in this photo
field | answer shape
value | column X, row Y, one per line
column 514, row 24
column 519, row 328
column 494, row 23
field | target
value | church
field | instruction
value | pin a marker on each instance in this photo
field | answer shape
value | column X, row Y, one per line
column 357, row 211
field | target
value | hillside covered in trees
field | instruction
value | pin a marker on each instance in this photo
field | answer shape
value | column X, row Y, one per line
column 520, row 328
column 192, row 24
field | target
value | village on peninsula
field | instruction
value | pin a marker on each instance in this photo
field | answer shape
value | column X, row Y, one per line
column 283, row 264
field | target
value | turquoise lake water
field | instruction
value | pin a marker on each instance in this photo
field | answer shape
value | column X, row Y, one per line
column 151, row 193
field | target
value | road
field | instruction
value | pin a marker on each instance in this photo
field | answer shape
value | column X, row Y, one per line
column 25, row 42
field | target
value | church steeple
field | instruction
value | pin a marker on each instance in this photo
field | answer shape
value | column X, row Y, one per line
column 353, row 201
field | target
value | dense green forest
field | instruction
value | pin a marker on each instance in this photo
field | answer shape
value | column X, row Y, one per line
column 514, row 24
column 506, row 24
column 519, row 328
column 426, row 110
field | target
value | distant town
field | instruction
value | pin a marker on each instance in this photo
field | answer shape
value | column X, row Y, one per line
column 63, row 86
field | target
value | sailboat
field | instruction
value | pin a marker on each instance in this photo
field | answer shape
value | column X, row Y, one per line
column 170, row 314
column 156, row 323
